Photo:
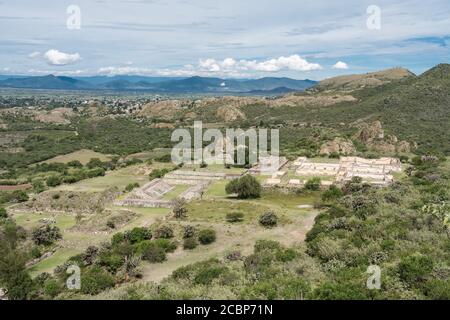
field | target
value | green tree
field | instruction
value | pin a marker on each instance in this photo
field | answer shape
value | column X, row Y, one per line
column 245, row 187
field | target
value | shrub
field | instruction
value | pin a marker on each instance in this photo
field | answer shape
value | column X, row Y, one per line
column 19, row 196
column 415, row 269
column 179, row 209
column 89, row 256
column 75, row 164
column 207, row 236
column 332, row 193
column 118, row 238
column 153, row 253
column 189, row 243
column 167, row 245
column 35, row 252
column 95, row 163
column 235, row 216
column 131, row 186
column 53, row 181
column 164, row 232
column 138, row 234
column 158, row 173
column 203, row 165
column 245, row 187
column 268, row 219
column 334, row 155
column 96, row 172
column 38, row 186
column 438, row 289
column 56, row 196
column 188, row 232
column 96, row 280
column 3, row 213
column 52, row 288
column 313, row 184
column 46, row 235
column 110, row 260
column 110, row 224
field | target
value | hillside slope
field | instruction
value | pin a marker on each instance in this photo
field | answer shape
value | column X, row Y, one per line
column 358, row 81
column 414, row 108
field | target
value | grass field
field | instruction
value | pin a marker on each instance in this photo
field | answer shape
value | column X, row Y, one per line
column 175, row 192
column 119, row 178
column 81, row 155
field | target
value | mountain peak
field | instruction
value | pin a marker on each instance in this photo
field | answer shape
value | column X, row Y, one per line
column 438, row 72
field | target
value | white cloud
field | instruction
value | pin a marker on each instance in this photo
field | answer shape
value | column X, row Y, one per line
column 59, row 72
column 114, row 71
column 291, row 63
column 34, row 54
column 58, row 58
column 340, row 65
column 228, row 67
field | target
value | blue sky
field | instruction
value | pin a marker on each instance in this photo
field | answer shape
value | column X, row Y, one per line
column 233, row 38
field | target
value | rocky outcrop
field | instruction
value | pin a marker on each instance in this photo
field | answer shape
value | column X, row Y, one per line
column 372, row 135
column 230, row 113
column 404, row 146
column 338, row 145
column 368, row 133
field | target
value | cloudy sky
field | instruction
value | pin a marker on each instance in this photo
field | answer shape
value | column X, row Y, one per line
column 233, row 38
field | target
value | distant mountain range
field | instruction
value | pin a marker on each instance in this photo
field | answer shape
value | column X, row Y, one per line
column 196, row 84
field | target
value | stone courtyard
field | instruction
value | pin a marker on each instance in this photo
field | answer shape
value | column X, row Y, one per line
column 152, row 194
column 373, row 171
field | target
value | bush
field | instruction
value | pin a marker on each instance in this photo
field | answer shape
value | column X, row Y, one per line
column 268, row 219
column 235, row 216
column 75, row 164
column 3, row 213
column 35, row 252
column 207, row 236
column 167, row 245
column 46, row 235
column 38, row 186
column 96, row 280
column 131, row 186
column 95, row 163
column 189, row 243
column 52, row 288
column 245, row 187
column 158, row 173
column 438, row 289
column 138, row 234
column 118, row 238
column 188, row 232
column 110, row 224
column 53, row 181
column 164, row 232
column 153, row 253
column 415, row 269
column 332, row 193
column 313, row 184
column 179, row 208
column 19, row 196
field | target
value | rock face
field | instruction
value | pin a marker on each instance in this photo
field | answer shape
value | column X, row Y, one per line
column 338, row 145
column 372, row 135
column 230, row 113
column 368, row 133
column 404, row 146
